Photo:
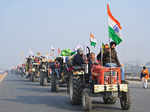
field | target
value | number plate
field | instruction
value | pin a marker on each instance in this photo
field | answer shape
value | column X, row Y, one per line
column 98, row 88
column 124, row 87
column 111, row 88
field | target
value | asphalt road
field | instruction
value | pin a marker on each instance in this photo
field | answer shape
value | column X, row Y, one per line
column 20, row 95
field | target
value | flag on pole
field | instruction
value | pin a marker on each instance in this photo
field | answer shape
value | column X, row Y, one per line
column 52, row 48
column 30, row 52
column 67, row 52
column 102, row 52
column 103, row 47
column 52, row 51
column 47, row 55
column 93, row 41
column 114, row 27
column 79, row 46
column 38, row 54
column 59, row 51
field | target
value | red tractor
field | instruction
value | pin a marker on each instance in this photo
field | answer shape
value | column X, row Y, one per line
column 107, row 84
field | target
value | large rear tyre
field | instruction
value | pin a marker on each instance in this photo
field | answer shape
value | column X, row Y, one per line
column 75, row 90
column 54, row 85
column 86, row 101
column 125, row 100
column 67, row 87
column 67, row 82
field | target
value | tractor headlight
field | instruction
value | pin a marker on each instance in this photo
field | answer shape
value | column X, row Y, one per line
column 44, row 67
column 33, row 69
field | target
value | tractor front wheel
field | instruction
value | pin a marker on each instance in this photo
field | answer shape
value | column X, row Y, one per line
column 125, row 100
column 86, row 100
column 43, row 79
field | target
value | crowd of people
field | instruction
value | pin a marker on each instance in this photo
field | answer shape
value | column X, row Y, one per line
column 107, row 57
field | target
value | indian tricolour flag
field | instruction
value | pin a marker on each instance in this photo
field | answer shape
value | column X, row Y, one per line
column 114, row 27
column 93, row 40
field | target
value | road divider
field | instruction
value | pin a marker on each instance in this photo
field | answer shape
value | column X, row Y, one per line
column 134, row 79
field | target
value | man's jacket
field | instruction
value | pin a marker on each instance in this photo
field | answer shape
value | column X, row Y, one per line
column 114, row 57
column 145, row 73
column 78, row 60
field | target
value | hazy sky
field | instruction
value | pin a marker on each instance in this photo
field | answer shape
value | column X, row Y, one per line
column 38, row 24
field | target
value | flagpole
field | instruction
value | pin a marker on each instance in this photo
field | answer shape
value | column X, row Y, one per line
column 101, row 50
column 110, row 49
column 108, row 34
column 109, row 44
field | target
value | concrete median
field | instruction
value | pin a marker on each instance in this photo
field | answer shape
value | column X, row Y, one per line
column 134, row 79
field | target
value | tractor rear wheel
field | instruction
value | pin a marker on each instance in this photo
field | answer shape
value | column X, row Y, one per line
column 75, row 90
column 54, row 85
column 125, row 100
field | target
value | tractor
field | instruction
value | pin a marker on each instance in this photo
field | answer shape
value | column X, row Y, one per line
column 106, row 83
column 34, row 72
column 33, row 69
column 77, row 82
column 45, row 72
column 60, row 74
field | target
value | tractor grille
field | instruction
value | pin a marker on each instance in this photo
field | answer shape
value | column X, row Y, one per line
column 110, row 77
column 113, row 73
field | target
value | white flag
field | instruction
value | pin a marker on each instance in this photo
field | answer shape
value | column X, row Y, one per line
column 30, row 52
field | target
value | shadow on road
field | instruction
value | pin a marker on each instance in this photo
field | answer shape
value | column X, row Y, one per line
column 59, row 102
column 34, row 94
column 40, row 90
column 32, row 84
column 45, row 89
column 11, row 80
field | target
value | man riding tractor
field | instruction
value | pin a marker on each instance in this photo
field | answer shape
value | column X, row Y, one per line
column 109, row 54
column 109, row 58
column 77, row 79
column 107, row 82
column 60, row 74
